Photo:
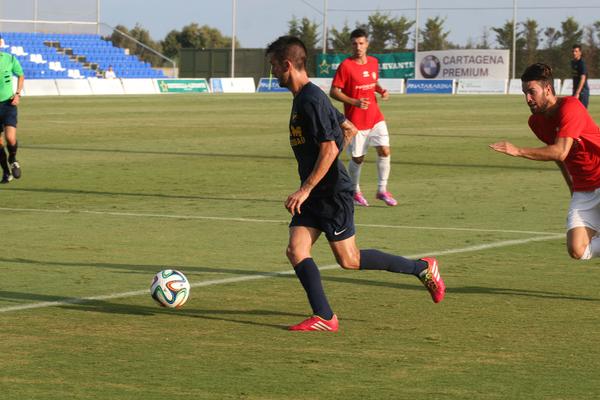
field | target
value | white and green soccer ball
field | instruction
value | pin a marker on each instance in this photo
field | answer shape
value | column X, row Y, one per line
column 170, row 288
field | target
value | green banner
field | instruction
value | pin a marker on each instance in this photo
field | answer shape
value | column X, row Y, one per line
column 391, row 65
column 182, row 85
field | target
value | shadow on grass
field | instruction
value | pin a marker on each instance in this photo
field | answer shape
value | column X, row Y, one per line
column 405, row 282
column 129, row 194
column 102, row 306
column 283, row 157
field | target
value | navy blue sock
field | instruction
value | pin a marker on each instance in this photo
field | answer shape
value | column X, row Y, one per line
column 375, row 259
column 12, row 152
column 4, row 161
column 310, row 277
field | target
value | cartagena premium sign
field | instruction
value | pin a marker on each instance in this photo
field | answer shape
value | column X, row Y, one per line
column 462, row 64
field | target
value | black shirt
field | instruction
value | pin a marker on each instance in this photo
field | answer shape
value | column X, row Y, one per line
column 578, row 68
column 315, row 120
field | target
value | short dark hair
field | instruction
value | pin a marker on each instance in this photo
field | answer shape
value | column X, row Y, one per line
column 576, row 46
column 539, row 72
column 358, row 32
column 288, row 48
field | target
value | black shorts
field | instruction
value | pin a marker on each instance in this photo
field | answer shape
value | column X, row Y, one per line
column 332, row 215
column 8, row 114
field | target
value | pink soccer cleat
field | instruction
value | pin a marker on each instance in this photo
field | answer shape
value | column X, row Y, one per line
column 316, row 323
column 359, row 200
column 387, row 198
column 432, row 280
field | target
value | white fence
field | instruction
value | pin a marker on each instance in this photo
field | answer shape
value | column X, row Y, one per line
column 95, row 86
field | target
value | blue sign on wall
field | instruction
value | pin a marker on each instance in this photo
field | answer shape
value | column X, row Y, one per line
column 270, row 85
column 414, row 86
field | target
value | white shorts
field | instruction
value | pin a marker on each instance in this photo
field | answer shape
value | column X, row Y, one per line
column 584, row 210
column 376, row 136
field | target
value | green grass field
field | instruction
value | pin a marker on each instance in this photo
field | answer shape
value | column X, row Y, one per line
column 116, row 188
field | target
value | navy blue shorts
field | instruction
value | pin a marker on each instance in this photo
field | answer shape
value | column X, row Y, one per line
column 333, row 216
column 8, row 114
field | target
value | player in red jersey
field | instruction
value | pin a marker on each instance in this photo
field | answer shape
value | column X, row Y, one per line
column 572, row 140
column 355, row 84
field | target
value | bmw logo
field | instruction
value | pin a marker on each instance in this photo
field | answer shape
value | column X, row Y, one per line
column 430, row 67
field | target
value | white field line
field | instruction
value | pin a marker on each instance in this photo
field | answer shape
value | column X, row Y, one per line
column 266, row 275
column 270, row 221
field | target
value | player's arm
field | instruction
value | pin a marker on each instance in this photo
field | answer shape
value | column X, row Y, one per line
column 337, row 93
column 383, row 92
column 17, row 97
column 349, row 131
column 348, row 128
column 328, row 152
column 553, row 152
column 582, row 80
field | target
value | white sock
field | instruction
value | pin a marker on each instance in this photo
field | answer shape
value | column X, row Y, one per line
column 354, row 171
column 594, row 247
column 383, row 171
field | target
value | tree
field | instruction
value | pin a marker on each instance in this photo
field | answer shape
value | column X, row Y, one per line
column 504, row 36
column 531, row 38
column 141, row 35
column 194, row 36
column 379, row 32
column 307, row 32
column 339, row 41
column 400, row 33
column 571, row 34
column 433, row 36
column 552, row 37
column 592, row 53
column 485, row 39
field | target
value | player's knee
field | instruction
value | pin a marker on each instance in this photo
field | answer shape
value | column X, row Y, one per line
column 358, row 160
column 294, row 255
column 384, row 151
column 348, row 262
column 579, row 252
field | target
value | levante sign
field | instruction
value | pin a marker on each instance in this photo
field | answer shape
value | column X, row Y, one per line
column 391, row 65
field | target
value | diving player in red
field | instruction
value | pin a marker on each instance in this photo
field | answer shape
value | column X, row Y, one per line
column 573, row 141
column 354, row 84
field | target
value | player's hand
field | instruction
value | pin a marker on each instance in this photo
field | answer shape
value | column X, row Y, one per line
column 385, row 95
column 506, row 148
column 15, row 100
column 295, row 200
column 363, row 103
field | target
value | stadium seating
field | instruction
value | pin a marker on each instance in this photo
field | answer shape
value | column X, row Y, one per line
column 75, row 56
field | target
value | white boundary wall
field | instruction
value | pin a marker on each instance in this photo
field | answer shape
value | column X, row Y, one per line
column 39, row 87
column 481, row 86
column 139, row 86
column 106, row 86
column 392, row 85
column 515, row 86
column 323, row 83
column 73, row 87
column 232, row 85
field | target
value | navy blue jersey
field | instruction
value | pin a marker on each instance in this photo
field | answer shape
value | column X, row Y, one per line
column 315, row 120
column 578, row 68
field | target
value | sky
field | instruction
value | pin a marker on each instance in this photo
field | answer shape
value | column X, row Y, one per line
column 259, row 22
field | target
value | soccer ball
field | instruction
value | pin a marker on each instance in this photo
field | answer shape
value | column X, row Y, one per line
column 170, row 288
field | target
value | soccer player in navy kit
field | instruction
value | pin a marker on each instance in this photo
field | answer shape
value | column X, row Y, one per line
column 579, row 73
column 324, row 202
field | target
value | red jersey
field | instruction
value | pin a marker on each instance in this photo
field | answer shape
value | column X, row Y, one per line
column 573, row 120
column 359, row 81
